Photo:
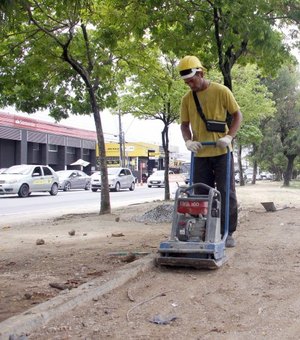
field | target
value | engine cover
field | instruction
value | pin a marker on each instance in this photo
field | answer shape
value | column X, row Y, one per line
column 191, row 229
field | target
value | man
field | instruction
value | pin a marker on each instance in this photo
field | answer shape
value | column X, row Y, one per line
column 215, row 100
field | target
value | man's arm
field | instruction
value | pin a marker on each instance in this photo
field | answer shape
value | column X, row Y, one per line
column 237, row 118
column 225, row 141
column 187, row 136
column 185, row 131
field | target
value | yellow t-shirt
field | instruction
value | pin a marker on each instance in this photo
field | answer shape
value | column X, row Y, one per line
column 215, row 101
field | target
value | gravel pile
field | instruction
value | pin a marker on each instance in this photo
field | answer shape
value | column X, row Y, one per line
column 160, row 214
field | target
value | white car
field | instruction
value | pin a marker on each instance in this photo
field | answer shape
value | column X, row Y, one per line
column 25, row 179
column 73, row 179
column 157, row 179
column 118, row 178
column 267, row 175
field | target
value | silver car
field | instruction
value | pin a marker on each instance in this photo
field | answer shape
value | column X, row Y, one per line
column 118, row 178
column 73, row 179
column 157, row 179
column 25, row 179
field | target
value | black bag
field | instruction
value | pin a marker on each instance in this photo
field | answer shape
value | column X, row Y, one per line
column 215, row 126
column 211, row 125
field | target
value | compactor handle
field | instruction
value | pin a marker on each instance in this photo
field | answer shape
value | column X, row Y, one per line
column 228, row 170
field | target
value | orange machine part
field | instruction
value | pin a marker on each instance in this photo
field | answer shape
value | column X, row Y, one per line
column 192, row 207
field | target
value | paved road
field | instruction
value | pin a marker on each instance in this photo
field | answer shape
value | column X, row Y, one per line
column 39, row 205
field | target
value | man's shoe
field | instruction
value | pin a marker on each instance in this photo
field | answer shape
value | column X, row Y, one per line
column 230, row 242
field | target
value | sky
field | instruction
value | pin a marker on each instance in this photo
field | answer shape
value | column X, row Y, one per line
column 135, row 130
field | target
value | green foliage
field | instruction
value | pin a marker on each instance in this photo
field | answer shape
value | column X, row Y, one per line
column 223, row 33
column 280, row 147
column 155, row 93
column 56, row 55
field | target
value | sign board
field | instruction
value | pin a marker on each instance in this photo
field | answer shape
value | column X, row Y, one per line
column 129, row 148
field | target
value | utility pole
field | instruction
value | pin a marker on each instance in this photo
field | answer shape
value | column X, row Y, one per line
column 121, row 142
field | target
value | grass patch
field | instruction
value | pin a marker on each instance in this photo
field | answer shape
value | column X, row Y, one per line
column 295, row 184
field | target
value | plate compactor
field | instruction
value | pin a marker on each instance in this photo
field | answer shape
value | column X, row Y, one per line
column 196, row 239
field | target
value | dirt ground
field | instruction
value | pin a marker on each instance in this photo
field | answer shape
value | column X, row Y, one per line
column 255, row 295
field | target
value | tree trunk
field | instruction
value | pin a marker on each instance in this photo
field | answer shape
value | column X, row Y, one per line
column 239, row 154
column 287, row 175
column 165, row 143
column 105, row 207
column 254, row 147
column 227, row 78
column 254, row 172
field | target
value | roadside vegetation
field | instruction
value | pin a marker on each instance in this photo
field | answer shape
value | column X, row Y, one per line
column 81, row 57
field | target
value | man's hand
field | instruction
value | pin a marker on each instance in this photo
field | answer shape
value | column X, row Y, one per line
column 224, row 141
column 193, row 146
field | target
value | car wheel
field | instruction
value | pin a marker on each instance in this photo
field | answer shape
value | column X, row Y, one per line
column 54, row 189
column 117, row 187
column 94, row 190
column 132, row 187
column 67, row 186
column 87, row 186
column 149, row 186
column 23, row 191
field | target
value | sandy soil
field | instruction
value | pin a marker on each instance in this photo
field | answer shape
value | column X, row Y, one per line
column 255, row 295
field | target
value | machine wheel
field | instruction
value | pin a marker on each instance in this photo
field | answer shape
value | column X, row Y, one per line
column 87, row 186
column 117, row 187
column 132, row 187
column 54, row 189
column 24, row 190
column 67, row 186
column 149, row 186
column 94, row 190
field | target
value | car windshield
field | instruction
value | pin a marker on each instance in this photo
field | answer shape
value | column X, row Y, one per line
column 96, row 174
column 19, row 170
column 63, row 174
column 158, row 173
column 113, row 171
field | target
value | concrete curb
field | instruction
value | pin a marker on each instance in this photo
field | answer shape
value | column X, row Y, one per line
column 40, row 315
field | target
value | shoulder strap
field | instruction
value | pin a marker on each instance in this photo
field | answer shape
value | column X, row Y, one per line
column 199, row 108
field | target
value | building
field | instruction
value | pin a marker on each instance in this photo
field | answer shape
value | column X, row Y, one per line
column 140, row 157
column 24, row 140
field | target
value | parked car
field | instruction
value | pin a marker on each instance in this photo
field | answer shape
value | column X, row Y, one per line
column 25, row 179
column 2, row 170
column 157, row 179
column 73, row 179
column 266, row 175
column 118, row 178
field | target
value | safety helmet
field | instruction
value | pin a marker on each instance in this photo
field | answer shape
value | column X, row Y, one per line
column 188, row 66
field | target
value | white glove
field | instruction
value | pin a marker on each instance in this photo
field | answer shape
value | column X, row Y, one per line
column 224, row 141
column 193, row 146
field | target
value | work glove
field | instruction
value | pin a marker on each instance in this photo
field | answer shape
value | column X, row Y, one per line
column 193, row 146
column 224, row 141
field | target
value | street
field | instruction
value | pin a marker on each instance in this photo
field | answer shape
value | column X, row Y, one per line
column 42, row 205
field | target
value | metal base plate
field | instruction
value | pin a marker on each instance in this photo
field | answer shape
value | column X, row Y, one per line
column 198, row 263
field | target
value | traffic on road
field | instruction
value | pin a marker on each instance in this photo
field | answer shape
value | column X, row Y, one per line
column 42, row 205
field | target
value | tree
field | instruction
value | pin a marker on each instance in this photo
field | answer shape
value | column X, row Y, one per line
column 256, row 104
column 155, row 93
column 286, row 123
column 225, row 32
column 64, row 57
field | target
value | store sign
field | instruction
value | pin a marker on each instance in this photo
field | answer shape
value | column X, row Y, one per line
column 113, row 162
column 129, row 148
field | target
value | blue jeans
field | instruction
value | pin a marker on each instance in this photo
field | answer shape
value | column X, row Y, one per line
column 212, row 171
